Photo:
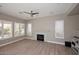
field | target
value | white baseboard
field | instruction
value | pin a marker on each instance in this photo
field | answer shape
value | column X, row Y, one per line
column 56, row 42
column 29, row 38
column 12, row 41
column 48, row 41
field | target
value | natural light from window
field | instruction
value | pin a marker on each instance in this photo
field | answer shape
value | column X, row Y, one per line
column 19, row 29
column 16, row 29
column 22, row 29
column 0, row 29
column 59, row 29
column 5, row 29
column 10, row 29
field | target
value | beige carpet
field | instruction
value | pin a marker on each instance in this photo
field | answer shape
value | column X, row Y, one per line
column 31, row 47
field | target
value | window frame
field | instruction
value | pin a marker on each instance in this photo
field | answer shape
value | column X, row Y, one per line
column 19, row 29
column 12, row 29
column 5, row 22
column 56, row 29
column 22, row 28
column 1, row 29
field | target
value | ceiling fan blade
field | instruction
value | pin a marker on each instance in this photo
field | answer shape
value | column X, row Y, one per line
column 34, row 13
column 24, row 12
column 31, row 13
column 27, row 12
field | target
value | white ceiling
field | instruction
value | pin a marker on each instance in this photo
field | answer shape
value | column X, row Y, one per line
column 44, row 9
column 75, row 11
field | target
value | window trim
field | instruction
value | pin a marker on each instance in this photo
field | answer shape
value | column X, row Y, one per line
column 13, row 29
column 19, row 30
column 3, row 22
column 55, row 30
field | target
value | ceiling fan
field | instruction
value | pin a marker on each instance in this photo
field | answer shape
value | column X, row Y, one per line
column 31, row 13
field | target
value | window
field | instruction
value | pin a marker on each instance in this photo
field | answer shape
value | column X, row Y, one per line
column 59, row 29
column 5, row 29
column 22, row 29
column 19, row 29
column 0, row 29
column 29, row 29
column 16, row 29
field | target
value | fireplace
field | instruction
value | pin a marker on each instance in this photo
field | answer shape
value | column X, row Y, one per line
column 40, row 37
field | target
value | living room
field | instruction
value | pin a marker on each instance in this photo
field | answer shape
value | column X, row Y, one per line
column 38, row 28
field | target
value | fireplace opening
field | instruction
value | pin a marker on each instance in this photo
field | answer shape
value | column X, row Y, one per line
column 40, row 37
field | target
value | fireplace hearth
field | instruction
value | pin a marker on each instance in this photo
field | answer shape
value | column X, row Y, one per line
column 40, row 37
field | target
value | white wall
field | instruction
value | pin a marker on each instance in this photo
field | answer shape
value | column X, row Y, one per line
column 71, row 26
column 47, row 26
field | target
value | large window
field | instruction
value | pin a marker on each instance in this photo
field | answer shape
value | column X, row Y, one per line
column 10, row 29
column 22, row 29
column 59, row 29
column 5, row 29
column 29, row 29
column 19, row 29
column 0, row 29
column 16, row 29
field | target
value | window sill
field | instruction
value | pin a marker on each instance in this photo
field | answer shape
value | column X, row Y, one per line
column 6, row 38
column 59, row 37
column 12, row 37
